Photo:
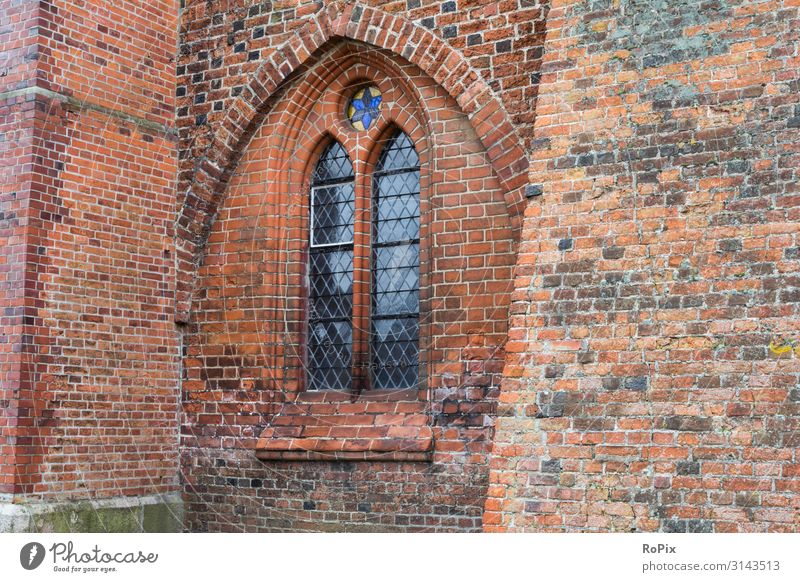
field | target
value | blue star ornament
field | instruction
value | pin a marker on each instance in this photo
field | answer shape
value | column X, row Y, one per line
column 365, row 108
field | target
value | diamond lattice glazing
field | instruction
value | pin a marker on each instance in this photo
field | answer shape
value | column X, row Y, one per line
column 395, row 275
column 330, row 328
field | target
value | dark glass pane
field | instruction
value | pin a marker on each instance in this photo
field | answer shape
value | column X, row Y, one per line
column 330, row 334
column 330, row 355
column 337, row 194
column 400, row 184
column 398, row 154
column 396, row 280
column 395, row 353
column 398, row 230
column 333, row 165
column 397, row 268
column 393, row 330
column 395, row 302
column 397, row 207
column 331, row 285
column 329, row 378
column 333, row 210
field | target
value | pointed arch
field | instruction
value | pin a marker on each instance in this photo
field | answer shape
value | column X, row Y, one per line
column 355, row 21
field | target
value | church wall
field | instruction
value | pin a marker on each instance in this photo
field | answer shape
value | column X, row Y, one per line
column 16, row 157
column 244, row 369
column 625, row 357
column 243, row 333
column 93, row 404
column 653, row 367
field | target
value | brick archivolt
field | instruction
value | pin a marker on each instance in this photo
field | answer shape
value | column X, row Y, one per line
column 391, row 33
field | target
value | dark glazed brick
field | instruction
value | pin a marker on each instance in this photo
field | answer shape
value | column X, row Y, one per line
column 637, row 383
column 674, row 526
column 533, row 190
column 688, row 468
column 551, row 466
column 685, row 423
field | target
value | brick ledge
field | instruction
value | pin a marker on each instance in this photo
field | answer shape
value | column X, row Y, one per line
column 389, row 456
column 416, row 448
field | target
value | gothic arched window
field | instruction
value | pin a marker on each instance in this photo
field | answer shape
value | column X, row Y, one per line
column 387, row 333
column 394, row 344
column 332, row 214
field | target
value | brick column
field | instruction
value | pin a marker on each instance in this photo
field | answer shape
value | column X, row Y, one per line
column 16, row 127
column 88, row 351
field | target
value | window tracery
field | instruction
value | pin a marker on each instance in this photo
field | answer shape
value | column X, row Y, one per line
column 393, row 318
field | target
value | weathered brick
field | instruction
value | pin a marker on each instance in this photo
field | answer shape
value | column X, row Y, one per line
column 95, row 207
column 674, row 282
column 647, row 211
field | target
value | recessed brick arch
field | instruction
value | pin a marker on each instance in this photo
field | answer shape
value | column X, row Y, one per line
column 354, row 21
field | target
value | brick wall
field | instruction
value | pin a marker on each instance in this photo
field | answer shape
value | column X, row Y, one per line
column 16, row 154
column 244, row 198
column 652, row 377
column 244, row 366
column 235, row 55
column 16, row 157
column 652, row 362
column 95, row 401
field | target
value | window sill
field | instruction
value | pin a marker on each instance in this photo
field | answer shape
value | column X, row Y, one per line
column 407, row 395
column 416, row 449
column 405, row 437
column 325, row 426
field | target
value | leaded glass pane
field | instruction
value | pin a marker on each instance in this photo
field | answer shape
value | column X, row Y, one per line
column 398, row 230
column 330, row 331
column 395, row 351
column 330, row 355
column 331, row 285
column 397, row 280
column 395, row 276
column 403, row 184
column 397, row 207
column 333, row 165
column 333, row 210
column 399, row 154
